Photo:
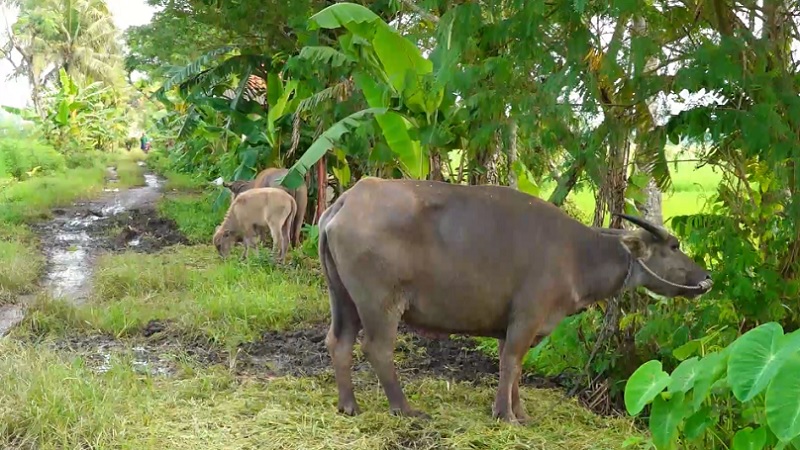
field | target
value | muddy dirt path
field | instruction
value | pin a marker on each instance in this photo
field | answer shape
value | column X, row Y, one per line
column 72, row 239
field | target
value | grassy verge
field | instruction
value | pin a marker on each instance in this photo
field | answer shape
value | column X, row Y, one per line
column 22, row 203
column 191, row 288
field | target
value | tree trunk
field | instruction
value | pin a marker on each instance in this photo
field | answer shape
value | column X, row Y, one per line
column 611, row 195
column 322, row 184
column 512, row 154
column 436, row 166
column 653, row 207
column 495, row 161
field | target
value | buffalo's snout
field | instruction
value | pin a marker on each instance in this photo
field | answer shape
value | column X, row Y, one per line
column 703, row 281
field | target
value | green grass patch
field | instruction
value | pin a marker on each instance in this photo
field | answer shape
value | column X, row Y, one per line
column 20, row 266
column 690, row 190
column 203, row 296
column 194, row 214
column 32, row 199
column 129, row 174
column 184, row 182
column 52, row 401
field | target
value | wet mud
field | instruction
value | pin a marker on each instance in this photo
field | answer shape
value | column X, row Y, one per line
column 76, row 235
column 302, row 352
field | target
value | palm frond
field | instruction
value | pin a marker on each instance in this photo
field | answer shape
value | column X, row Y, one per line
column 651, row 157
column 190, row 124
column 294, row 177
column 326, row 56
column 339, row 92
column 193, row 69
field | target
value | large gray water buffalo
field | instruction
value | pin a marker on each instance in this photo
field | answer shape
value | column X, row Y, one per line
column 474, row 260
column 269, row 178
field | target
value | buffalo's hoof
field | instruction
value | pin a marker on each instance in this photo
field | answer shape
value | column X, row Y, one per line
column 522, row 418
column 350, row 410
column 506, row 416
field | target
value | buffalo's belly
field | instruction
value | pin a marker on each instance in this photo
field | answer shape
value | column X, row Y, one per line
column 456, row 312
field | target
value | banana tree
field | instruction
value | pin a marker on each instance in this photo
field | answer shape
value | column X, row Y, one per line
column 397, row 82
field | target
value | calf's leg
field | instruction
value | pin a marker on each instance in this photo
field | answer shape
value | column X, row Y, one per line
column 275, row 232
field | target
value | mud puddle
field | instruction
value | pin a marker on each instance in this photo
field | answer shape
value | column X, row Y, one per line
column 75, row 235
column 70, row 240
column 160, row 356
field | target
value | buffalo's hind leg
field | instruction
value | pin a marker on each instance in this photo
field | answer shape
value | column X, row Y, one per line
column 380, row 333
column 345, row 325
column 340, row 341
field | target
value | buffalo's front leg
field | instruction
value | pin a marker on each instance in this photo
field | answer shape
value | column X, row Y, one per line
column 517, row 342
column 516, row 404
column 380, row 333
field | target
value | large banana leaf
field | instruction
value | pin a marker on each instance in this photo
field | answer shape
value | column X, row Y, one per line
column 411, row 154
column 296, row 174
column 400, row 59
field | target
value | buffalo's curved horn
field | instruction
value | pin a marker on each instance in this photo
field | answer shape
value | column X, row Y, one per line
column 652, row 228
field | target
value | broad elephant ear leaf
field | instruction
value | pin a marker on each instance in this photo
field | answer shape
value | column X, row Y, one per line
column 325, row 142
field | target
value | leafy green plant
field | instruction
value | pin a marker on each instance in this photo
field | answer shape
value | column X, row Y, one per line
column 746, row 396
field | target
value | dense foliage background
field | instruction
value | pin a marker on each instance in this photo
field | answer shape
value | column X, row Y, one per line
column 598, row 106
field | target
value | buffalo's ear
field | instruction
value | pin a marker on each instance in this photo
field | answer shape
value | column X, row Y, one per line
column 636, row 245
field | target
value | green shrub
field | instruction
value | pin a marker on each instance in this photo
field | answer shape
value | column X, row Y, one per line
column 20, row 155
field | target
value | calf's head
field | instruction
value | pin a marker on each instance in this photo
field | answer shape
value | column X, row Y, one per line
column 236, row 187
column 224, row 240
column 662, row 267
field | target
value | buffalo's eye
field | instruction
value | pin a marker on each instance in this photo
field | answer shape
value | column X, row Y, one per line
column 675, row 247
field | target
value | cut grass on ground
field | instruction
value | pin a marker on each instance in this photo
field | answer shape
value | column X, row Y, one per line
column 53, row 401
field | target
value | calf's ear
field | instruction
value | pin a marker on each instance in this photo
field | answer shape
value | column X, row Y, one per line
column 636, row 245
